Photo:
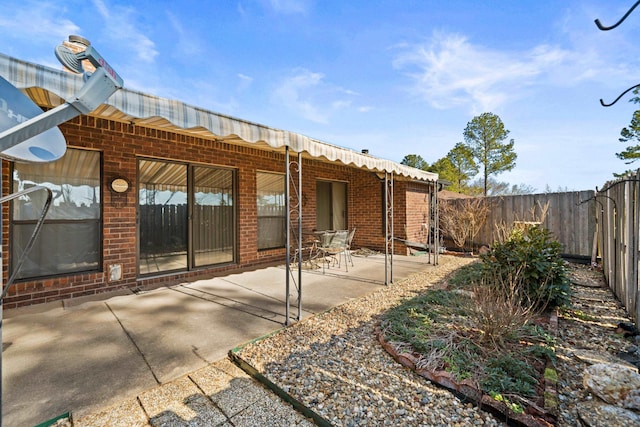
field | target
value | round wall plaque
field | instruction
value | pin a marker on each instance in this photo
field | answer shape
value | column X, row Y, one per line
column 119, row 185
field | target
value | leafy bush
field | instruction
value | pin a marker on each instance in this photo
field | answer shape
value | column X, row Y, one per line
column 531, row 258
column 508, row 375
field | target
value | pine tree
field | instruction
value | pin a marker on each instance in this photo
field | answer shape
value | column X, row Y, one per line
column 484, row 136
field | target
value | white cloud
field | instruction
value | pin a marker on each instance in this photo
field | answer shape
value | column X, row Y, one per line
column 37, row 20
column 244, row 81
column 451, row 72
column 307, row 94
column 290, row 6
column 188, row 44
column 604, row 57
column 121, row 26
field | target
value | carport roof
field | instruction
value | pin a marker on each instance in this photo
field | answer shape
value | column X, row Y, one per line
column 49, row 88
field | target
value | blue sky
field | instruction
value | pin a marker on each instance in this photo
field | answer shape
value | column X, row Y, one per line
column 395, row 77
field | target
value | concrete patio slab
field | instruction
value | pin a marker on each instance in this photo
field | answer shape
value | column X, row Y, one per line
column 61, row 360
column 82, row 358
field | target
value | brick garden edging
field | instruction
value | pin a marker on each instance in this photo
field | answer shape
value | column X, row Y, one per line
column 534, row 416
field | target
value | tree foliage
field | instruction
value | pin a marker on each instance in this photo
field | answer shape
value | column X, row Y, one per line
column 484, row 137
column 631, row 135
column 457, row 168
column 415, row 161
column 445, row 170
column 498, row 188
column 464, row 166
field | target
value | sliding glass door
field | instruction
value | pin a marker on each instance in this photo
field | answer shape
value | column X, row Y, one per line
column 213, row 216
column 162, row 204
column 186, row 216
column 331, row 205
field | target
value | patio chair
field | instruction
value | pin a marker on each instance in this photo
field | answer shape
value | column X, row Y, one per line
column 348, row 248
column 332, row 247
column 307, row 253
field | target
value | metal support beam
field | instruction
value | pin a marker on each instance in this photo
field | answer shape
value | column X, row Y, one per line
column 293, row 222
column 388, row 227
column 430, row 225
column 436, row 223
column 299, row 165
column 287, row 235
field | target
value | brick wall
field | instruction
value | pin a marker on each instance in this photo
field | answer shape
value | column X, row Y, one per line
column 122, row 144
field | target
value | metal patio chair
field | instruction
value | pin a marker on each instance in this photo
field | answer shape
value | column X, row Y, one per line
column 348, row 248
column 333, row 245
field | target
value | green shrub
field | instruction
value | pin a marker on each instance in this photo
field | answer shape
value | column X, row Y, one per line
column 531, row 258
column 508, row 375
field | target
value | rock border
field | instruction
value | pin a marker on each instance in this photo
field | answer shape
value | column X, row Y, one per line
column 537, row 417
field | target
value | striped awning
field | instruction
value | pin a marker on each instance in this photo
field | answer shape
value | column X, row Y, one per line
column 48, row 87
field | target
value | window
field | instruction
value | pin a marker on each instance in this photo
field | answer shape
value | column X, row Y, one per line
column 70, row 240
column 187, row 216
column 331, row 205
column 272, row 213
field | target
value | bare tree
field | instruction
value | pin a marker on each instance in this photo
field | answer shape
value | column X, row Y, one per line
column 462, row 219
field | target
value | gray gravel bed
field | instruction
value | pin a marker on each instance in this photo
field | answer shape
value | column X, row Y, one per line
column 333, row 364
column 586, row 332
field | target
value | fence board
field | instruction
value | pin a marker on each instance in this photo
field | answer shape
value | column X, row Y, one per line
column 165, row 227
column 571, row 218
column 620, row 240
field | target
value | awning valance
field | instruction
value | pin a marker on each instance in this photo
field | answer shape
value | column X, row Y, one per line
column 48, row 87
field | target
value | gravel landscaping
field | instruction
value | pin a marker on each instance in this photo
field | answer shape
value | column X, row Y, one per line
column 333, row 364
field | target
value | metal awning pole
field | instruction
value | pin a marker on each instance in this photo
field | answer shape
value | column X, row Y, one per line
column 1, row 286
column 300, row 199
column 436, row 226
column 287, row 232
column 391, row 227
column 386, row 229
column 430, row 220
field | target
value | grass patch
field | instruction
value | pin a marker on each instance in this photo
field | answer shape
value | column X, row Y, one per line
column 570, row 313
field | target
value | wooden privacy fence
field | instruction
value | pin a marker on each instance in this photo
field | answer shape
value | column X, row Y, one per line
column 570, row 217
column 165, row 227
column 619, row 241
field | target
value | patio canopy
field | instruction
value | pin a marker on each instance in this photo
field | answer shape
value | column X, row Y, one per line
column 49, row 88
